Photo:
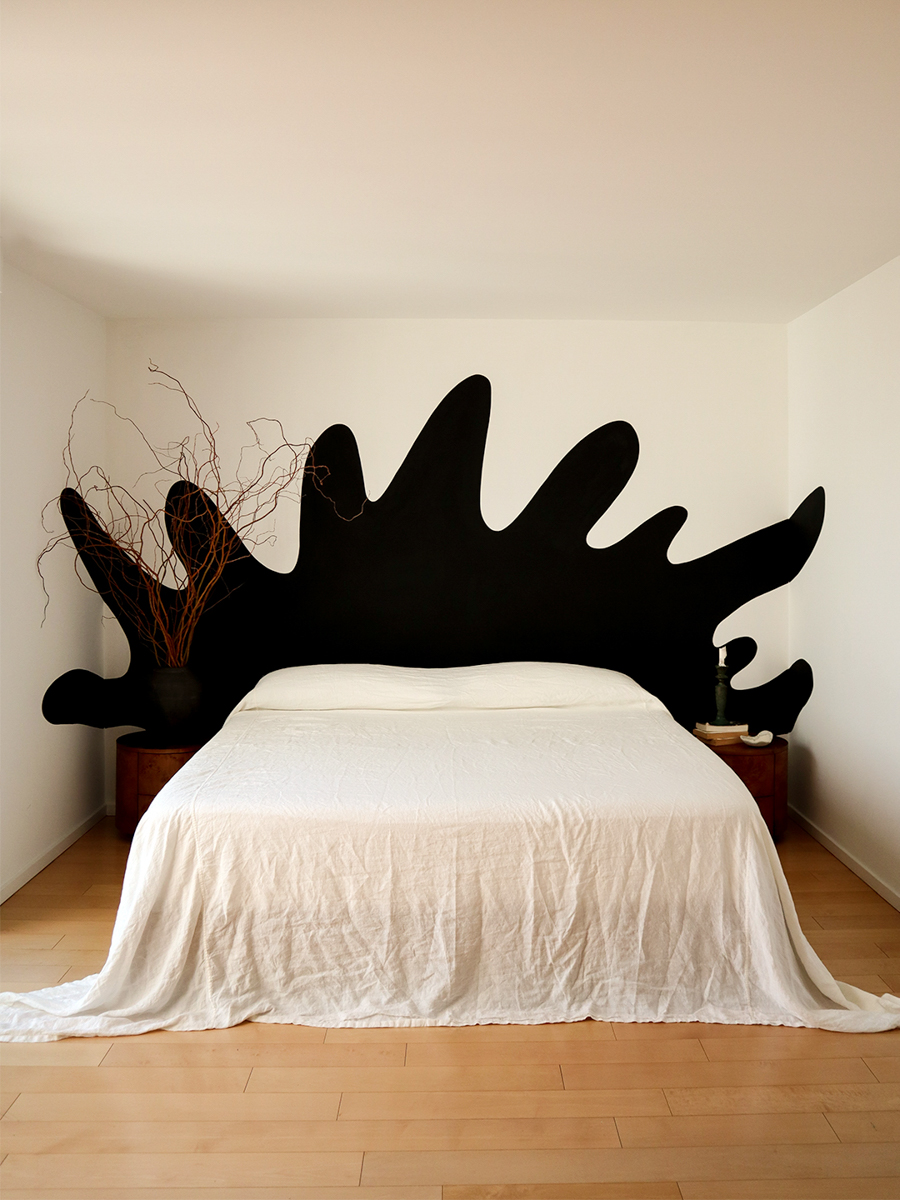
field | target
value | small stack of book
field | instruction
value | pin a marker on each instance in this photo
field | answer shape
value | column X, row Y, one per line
column 719, row 735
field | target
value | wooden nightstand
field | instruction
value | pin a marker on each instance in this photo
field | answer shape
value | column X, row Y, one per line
column 142, row 768
column 763, row 770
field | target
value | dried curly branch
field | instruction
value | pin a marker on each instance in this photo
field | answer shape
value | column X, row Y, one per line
column 159, row 563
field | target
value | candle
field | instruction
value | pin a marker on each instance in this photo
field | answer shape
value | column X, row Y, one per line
column 722, row 650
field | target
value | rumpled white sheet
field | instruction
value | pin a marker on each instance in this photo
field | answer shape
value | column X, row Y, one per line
column 451, row 868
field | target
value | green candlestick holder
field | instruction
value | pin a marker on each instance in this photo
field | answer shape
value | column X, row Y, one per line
column 721, row 696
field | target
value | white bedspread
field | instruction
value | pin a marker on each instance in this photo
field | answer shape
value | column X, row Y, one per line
column 452, row 867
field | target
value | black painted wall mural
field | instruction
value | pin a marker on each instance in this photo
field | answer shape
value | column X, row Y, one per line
column 416, row 578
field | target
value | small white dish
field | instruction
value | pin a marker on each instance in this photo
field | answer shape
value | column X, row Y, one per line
column 763, row 738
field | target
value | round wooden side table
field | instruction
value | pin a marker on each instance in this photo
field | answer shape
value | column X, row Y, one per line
column 764, row 771
column 142, row 768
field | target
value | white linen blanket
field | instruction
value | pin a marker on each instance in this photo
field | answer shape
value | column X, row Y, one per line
column 451, row 866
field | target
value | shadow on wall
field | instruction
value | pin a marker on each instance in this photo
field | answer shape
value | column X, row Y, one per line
column 803, row 778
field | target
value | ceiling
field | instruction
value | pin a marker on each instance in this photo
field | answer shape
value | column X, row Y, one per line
column 637, row 159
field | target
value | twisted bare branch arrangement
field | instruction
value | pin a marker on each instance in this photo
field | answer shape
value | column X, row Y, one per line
column 159, row 562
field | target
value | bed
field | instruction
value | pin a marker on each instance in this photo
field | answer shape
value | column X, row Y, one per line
column 515, row 842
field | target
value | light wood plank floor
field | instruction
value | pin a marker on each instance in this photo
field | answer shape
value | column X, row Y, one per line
column 560, row 1112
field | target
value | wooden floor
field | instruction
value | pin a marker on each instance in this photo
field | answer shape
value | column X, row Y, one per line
column 687, row 1112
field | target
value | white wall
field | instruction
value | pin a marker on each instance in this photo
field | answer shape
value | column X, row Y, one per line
column 708, row 402
column 51, row 776
column 844, row 386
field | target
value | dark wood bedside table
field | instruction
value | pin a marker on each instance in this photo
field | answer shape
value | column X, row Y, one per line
column 142, row 768
column 763, row 770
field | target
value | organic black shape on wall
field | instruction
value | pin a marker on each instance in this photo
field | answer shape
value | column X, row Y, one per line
column 418, row 579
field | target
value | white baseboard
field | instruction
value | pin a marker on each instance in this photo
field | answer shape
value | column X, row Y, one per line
column 7, row 889
column 875, row 883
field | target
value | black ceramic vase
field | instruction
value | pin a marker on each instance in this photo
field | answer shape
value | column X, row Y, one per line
column 174, row 707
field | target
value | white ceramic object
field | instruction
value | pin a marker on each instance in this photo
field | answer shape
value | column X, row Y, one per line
column 763, row 738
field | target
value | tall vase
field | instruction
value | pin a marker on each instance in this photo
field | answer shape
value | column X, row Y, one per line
column 175, row 694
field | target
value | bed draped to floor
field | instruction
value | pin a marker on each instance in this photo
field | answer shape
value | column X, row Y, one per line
column 452, row 867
